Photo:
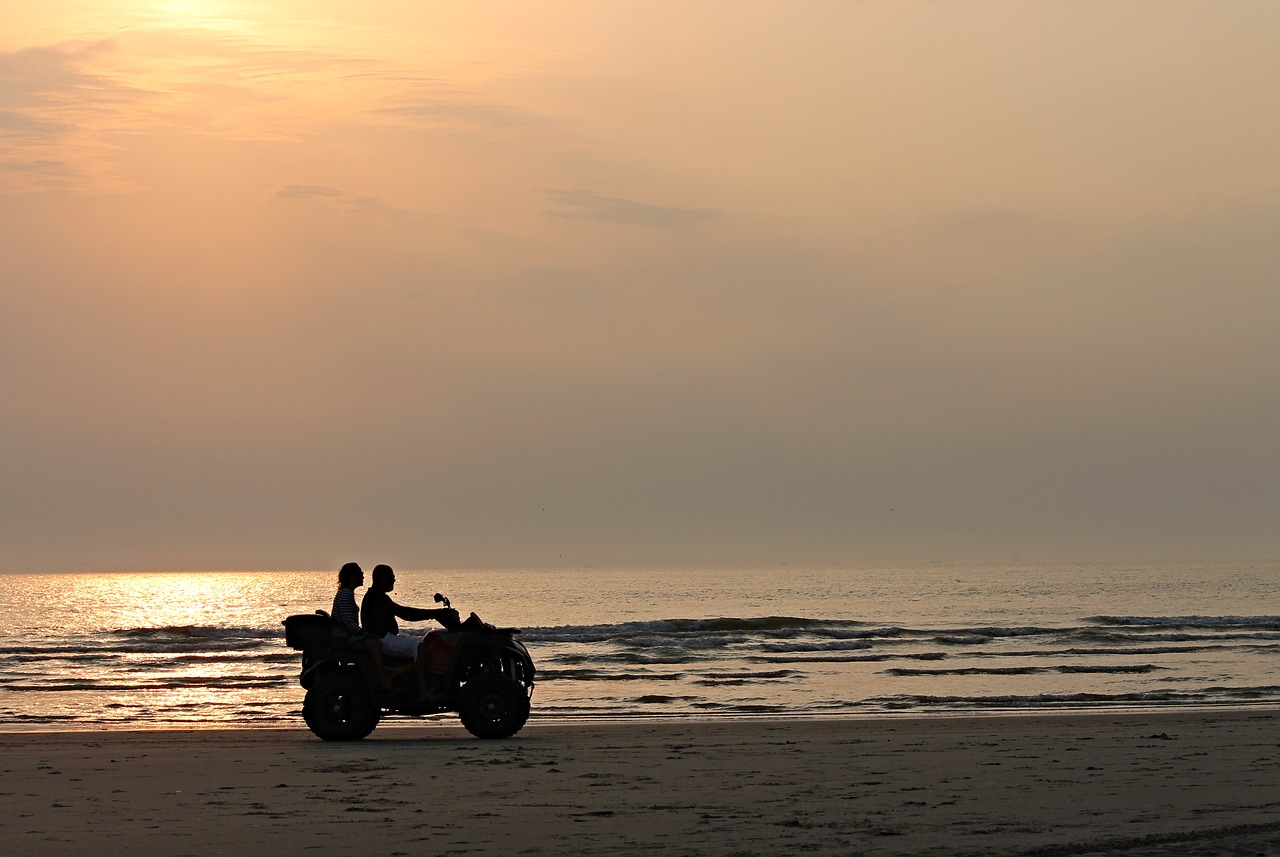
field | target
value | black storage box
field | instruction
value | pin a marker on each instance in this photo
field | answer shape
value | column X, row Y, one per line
column 308, row 630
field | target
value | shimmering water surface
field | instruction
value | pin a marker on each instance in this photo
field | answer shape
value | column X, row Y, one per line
column 153, row 650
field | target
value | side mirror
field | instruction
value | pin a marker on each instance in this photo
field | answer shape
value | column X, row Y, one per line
column 440, row 599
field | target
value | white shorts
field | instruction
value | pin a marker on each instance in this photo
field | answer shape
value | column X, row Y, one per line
column 401, row 646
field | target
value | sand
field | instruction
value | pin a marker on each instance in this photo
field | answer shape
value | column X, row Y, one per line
column 1135, row 784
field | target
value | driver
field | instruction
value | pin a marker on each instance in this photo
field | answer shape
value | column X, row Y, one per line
column 378, row 614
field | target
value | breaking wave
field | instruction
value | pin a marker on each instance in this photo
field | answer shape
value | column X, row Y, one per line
column 710, row 665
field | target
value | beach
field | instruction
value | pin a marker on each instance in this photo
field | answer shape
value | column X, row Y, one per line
column 1124, row 783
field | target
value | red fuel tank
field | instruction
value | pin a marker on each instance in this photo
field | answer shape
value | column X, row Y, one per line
column 439, row 651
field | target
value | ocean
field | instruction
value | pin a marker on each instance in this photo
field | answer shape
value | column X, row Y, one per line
column 206, row 650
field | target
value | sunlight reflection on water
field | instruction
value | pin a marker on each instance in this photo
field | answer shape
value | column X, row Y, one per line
column 124, row 650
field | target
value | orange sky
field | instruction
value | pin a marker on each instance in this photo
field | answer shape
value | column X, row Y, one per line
column 743, row 282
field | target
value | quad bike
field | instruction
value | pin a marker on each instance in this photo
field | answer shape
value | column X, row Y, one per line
column 481, row 672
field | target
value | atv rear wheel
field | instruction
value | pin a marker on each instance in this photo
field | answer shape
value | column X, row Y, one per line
column 493, row 706
column 338, row 707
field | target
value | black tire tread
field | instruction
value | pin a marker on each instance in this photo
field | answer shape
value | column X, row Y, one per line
column 493, row 706
column 338, row 707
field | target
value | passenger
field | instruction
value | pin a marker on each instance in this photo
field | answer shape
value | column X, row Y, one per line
column 350, row 578
column 347, row 617
column 379, row 613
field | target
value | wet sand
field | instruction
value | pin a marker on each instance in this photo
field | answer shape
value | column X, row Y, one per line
column 1134, row 784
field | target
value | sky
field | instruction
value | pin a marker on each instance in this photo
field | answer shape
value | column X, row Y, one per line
column 637, row 283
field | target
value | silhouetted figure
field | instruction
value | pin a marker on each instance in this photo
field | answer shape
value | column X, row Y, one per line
column 345, row 614
column 350, row 578
column 379, row 614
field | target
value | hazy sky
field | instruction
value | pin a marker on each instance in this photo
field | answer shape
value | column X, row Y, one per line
column 637, row 282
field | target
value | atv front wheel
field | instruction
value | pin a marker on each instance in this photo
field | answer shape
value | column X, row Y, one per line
column 338, row 707
column 493, row 706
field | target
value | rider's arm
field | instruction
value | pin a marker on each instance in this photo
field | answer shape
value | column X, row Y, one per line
column 445, row 616
column 413, row 614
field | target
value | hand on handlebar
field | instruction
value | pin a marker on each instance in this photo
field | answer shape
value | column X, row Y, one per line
column 448, row 617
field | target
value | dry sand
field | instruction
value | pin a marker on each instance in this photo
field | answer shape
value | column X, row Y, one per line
column 1135, row 784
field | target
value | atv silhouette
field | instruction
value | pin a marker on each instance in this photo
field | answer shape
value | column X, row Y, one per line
column 481, row 672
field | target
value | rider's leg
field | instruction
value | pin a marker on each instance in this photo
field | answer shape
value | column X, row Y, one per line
column 420, row 669
column 373, row 665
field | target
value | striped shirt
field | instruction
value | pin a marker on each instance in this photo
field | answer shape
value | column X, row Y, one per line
column 344, row 610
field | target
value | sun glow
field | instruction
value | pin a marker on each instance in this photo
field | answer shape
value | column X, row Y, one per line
column 218, row 16
column 184, row 12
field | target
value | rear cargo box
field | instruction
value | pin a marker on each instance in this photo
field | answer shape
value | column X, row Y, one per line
column 308, row 630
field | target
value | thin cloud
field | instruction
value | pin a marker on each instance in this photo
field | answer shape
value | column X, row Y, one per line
column 40, row 75
column 302, row 191
column 69, row 102
column 586, row 205
column 52, row 112
column 21, row 124
column 350, row 199
column 42, row 167
column 463, row 110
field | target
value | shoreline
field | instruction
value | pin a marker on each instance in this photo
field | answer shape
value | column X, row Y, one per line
column 1168, row 782
column 638, row 719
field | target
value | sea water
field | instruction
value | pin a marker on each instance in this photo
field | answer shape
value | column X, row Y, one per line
column 196, row 650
